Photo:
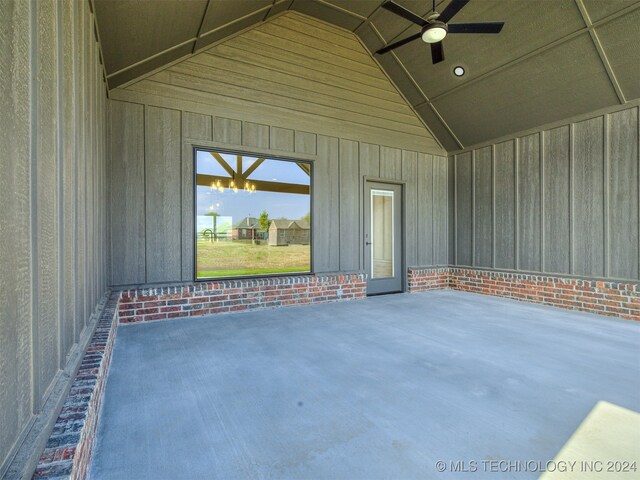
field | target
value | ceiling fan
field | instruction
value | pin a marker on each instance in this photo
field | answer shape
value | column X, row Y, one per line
column 436, row 26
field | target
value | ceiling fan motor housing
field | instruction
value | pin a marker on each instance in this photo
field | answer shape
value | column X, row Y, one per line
column 434, row 32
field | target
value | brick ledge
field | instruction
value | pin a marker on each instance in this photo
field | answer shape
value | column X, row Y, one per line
column 602, row 297
column 67, row 453
column 205, row 298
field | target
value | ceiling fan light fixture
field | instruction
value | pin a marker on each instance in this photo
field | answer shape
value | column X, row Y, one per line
column 434, row 33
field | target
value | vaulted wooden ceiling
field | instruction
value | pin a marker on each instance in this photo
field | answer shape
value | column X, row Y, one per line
column 553, row 60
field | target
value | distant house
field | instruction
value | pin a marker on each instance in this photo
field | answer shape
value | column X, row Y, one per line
column 287, row 232
column 248, row 229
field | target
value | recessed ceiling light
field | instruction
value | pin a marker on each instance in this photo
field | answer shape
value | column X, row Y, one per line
column 458, row 71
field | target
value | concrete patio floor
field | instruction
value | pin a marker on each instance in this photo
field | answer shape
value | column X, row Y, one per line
column 380, row 388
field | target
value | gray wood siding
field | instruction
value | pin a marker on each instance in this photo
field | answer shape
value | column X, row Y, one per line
column 15, row 249
column 326, row 206
column 349, row 203
column 45, row 171
column 483, row 212
column 53, row 216
column 504, row 179
column 588, row 198
column 464, row 208
column 440, row 211
column 529, row 203
column 565, row 198
column 127, row 209
column 291, row 74
column 623, row 193
column 162, row 194
column 410, row 176
column 288, row 95
column 557, row 191
column 151, row 190
column 425, row 213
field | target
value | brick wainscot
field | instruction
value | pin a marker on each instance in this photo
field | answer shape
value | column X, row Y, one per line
column 237, row 295
column 618, row 299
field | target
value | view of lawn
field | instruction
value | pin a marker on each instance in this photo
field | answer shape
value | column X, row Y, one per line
column 229, row 258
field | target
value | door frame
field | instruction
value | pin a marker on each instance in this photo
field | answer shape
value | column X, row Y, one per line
column 403, row 222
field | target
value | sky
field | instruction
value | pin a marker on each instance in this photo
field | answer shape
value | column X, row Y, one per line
column 244, row 204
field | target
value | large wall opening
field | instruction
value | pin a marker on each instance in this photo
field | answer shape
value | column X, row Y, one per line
column 253, row 215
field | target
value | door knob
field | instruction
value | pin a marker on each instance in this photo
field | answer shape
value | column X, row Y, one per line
column 368, row 243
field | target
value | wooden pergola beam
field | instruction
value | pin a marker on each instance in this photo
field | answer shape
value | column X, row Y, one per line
column 306, row 168
column 203, row 180
column 252, row 168
column 223, row 163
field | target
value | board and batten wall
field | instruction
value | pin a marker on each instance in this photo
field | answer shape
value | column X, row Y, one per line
column 292, row 87
column 152, row 185
column 563, row 199
column 53, row 212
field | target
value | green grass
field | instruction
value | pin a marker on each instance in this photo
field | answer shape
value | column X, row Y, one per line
column 255, row 271
column 228, row 259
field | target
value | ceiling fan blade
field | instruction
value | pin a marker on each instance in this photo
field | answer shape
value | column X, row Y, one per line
column 404, row 13
column 453, row 8
column 482, row 27
column 437, row 52
column 399, row 43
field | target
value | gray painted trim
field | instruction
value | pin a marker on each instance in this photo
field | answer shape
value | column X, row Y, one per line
column 516, row 213
column 493, row 205
column 601, row 53
column 605, row 180
column 204, row 16
column 455, row 209
column 542, row 158
column 473, row 208
column 287, row 154
column 571, row 199
column 433, row 199
column 35, row 364
column 96, row 32
column 343, row 10
column 60, row 184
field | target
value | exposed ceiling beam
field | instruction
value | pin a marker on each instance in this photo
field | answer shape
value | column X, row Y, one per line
column 96, row 32
column 603, row 56
column 203, row 180
column 151, row 57
column 199, row 32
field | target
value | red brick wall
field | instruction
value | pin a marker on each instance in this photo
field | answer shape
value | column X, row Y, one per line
column 236, row 295
column 67, row 453
column 595, row 296
column 431, row 278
